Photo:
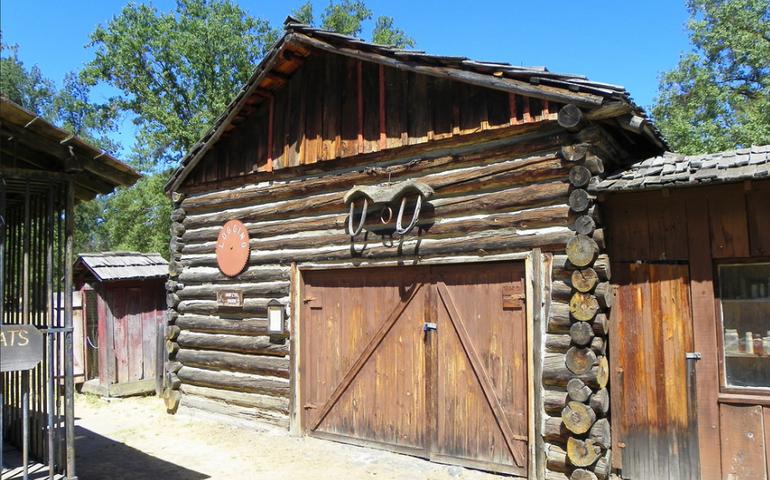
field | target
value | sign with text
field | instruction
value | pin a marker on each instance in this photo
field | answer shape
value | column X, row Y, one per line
column 21, row 347
column 230, row 298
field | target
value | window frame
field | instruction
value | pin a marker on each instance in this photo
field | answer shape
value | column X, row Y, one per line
column 760, row 393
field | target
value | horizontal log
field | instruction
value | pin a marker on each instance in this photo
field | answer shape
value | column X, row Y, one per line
column 583, row 453
column 579, row 176
column 251, row 307
column 578, row 417
column 241, row 382
column 580, row 360
column 582, row 251
column 583, row 306
column 556, row 459
column 554, row 401
column 297, row 185
column 584, row 225
column 254, row 400
column 594, row 164
column 584, row 280
column 173, row 367
column 172, row 332
column 209, row 291
column 213, row 324
column 235, row 362
column 601, row 324
column 171, row 399
column 561, row 290
column 554, row 431
column 247, row 414
column 507, row 198
column 574, row 152
column 253, row 273
column 171, row 348
column 582, row 474
column 602, row 267
column 173, row 381
column 556, row 373
column 604, row 295
column 571, row 118
column 430, row 225
column 602, row 372
column 484, row 243
column 581, row 333
column 578, row 391
column 560, row 320
column 600, row 402
column 255, row 345
column 561, row 343
column 579, row 200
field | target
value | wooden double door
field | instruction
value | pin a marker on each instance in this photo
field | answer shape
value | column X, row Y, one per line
column 428, row 361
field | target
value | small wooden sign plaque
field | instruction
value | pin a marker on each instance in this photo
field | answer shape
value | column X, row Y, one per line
column 230, row 298
column 21, row 347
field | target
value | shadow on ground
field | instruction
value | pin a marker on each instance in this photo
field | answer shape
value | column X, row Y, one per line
column 98, row 458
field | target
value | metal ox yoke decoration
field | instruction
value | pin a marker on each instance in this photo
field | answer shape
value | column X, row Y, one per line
column 21, row 347
column 232, row 248
column 384, row 200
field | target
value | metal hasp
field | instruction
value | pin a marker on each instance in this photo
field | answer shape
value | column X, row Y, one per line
column 429, row 326
column 381, row 201
column 693, row 356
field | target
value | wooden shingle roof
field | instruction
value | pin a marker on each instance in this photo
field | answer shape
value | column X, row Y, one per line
column 675, row 170
column 110, row 266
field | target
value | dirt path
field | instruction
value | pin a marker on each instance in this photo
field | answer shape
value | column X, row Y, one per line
column 135, row 439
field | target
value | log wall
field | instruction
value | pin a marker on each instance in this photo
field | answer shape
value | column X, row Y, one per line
column 496, row 197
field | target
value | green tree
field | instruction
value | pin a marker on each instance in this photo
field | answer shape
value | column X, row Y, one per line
column 348, row 17
column 718, row 96
column 386, row 33
column 25, row 86
column 138, row 218
column 176, row 71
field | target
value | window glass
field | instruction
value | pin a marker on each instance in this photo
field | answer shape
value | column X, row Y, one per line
column 745, row 297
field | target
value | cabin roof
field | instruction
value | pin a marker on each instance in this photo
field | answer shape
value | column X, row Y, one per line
column 32, row 143
column 536, row 82
column 110, row 266
column 675, row 170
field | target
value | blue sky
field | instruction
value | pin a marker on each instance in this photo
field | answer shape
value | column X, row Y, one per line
column 620, row 42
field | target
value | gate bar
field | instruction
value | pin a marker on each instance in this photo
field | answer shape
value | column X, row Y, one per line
column 50, row 335
column 69, row 383
column 26, row 321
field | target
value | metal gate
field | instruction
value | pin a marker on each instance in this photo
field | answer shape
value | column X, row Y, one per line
column 36, row 285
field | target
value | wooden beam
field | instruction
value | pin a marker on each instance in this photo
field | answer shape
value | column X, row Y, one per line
column 483, row 80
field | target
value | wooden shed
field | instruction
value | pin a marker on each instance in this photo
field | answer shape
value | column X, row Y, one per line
column 123, row 295
column 394, row 249
column 689, row 239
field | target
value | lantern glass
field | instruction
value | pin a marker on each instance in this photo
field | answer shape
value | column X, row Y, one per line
column 275, row 315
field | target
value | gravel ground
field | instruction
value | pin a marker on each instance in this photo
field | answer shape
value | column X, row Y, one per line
column 135, row 439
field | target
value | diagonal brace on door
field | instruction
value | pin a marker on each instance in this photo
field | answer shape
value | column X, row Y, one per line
column 356, row 367
column 481, row 374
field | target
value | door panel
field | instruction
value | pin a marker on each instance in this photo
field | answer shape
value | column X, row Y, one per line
column 482, row 366
column 654, row 423
column 372, row 374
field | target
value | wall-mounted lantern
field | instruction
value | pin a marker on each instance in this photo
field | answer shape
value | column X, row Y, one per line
column 276, row 314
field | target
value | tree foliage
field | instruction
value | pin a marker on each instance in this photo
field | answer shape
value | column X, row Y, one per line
column 176, row 71
column 25, row 86
column 348, row 17
column 718, row 96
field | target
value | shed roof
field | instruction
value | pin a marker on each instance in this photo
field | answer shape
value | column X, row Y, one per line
column 30, row 142
column 109, row 266
column 676, row 170
column 536, row 82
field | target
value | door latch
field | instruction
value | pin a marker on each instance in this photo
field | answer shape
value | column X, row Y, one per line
column 692, row 356
column 428, row 326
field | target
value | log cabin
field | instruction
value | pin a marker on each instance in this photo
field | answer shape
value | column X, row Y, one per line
column 408, row 251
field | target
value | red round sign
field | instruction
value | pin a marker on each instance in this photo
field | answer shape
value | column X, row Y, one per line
column 232, row 248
